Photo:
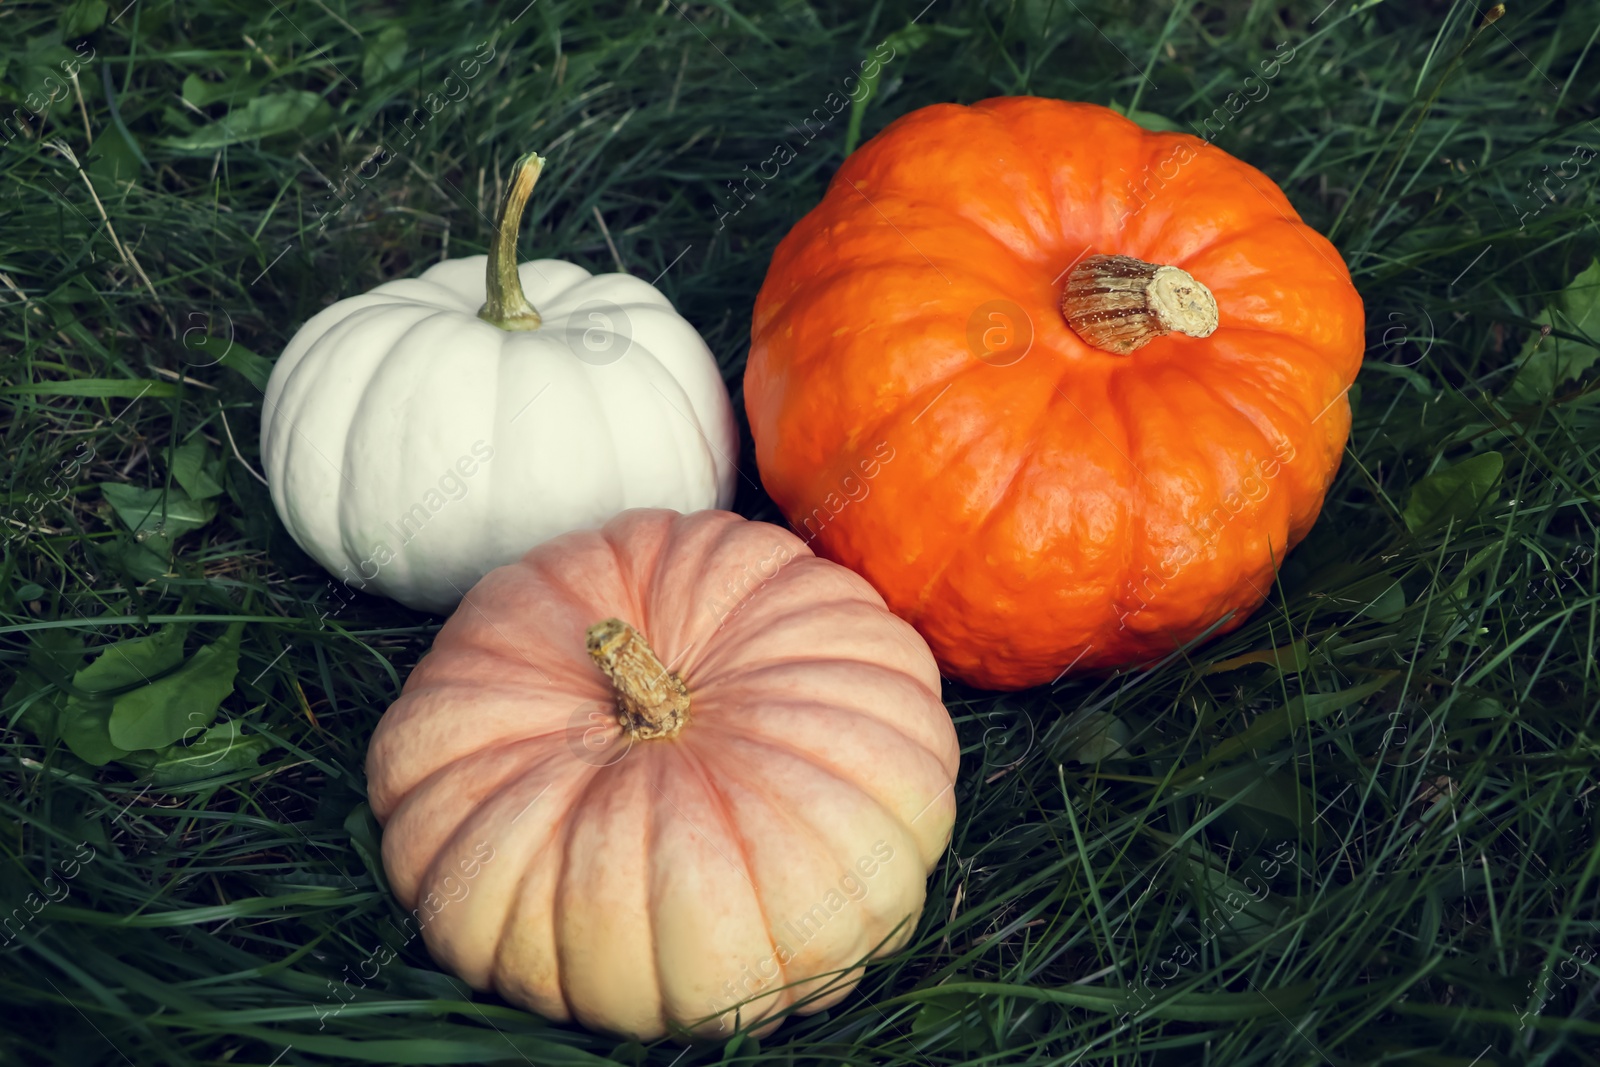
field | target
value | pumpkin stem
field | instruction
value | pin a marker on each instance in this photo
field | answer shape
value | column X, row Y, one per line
column 506, row 305
column 1119, row 304
column 651, row 700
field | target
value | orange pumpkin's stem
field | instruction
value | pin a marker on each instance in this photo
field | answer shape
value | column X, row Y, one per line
column 507, row 306
column 1119, row 304
column 651, row 700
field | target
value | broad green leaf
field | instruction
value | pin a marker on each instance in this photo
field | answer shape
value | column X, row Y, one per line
column 1378, row 596
column 40, row 77
column 1097, row 736
column 202, row 93
column 221, row 750
column 254, row 368
column 1273, row 726
column 194, row 470
column 56, row 654
column 1265, row 807
column 1227, row 909
column 1547, row 362
column 36, row 705
column 44, row 49
column 138, row 661
column 1388, row 605
column 81, row 17
column 1478, row 561
column 1469, row 709
column 180, row 704
column 1149, row 120
column 263, row 116
column 116, row 159
column 1291, row 659
column 385, row 55
column 144, row 560
column 1453, row 493
column 1418, row 382
column 146, row 513
column 365, row 838
column 197, row 91
column 172, row 118
column 85, row 727
column 237, row 87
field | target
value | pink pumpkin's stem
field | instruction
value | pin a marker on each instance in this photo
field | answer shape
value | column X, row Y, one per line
column 651, row 700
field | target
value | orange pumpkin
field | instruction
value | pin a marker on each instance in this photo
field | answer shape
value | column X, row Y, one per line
column 671, row 775
column 1063, row 389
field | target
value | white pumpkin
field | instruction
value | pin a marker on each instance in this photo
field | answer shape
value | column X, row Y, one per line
column 420, row 435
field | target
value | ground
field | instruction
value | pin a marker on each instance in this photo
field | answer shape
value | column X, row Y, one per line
column 1359, row 829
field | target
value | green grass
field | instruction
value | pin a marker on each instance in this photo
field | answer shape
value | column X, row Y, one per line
column 1401, row 803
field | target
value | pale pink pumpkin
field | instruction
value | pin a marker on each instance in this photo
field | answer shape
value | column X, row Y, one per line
column 643, row 855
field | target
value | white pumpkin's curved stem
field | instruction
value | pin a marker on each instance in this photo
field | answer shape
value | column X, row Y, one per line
column 506, row 305
column 651, row 700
